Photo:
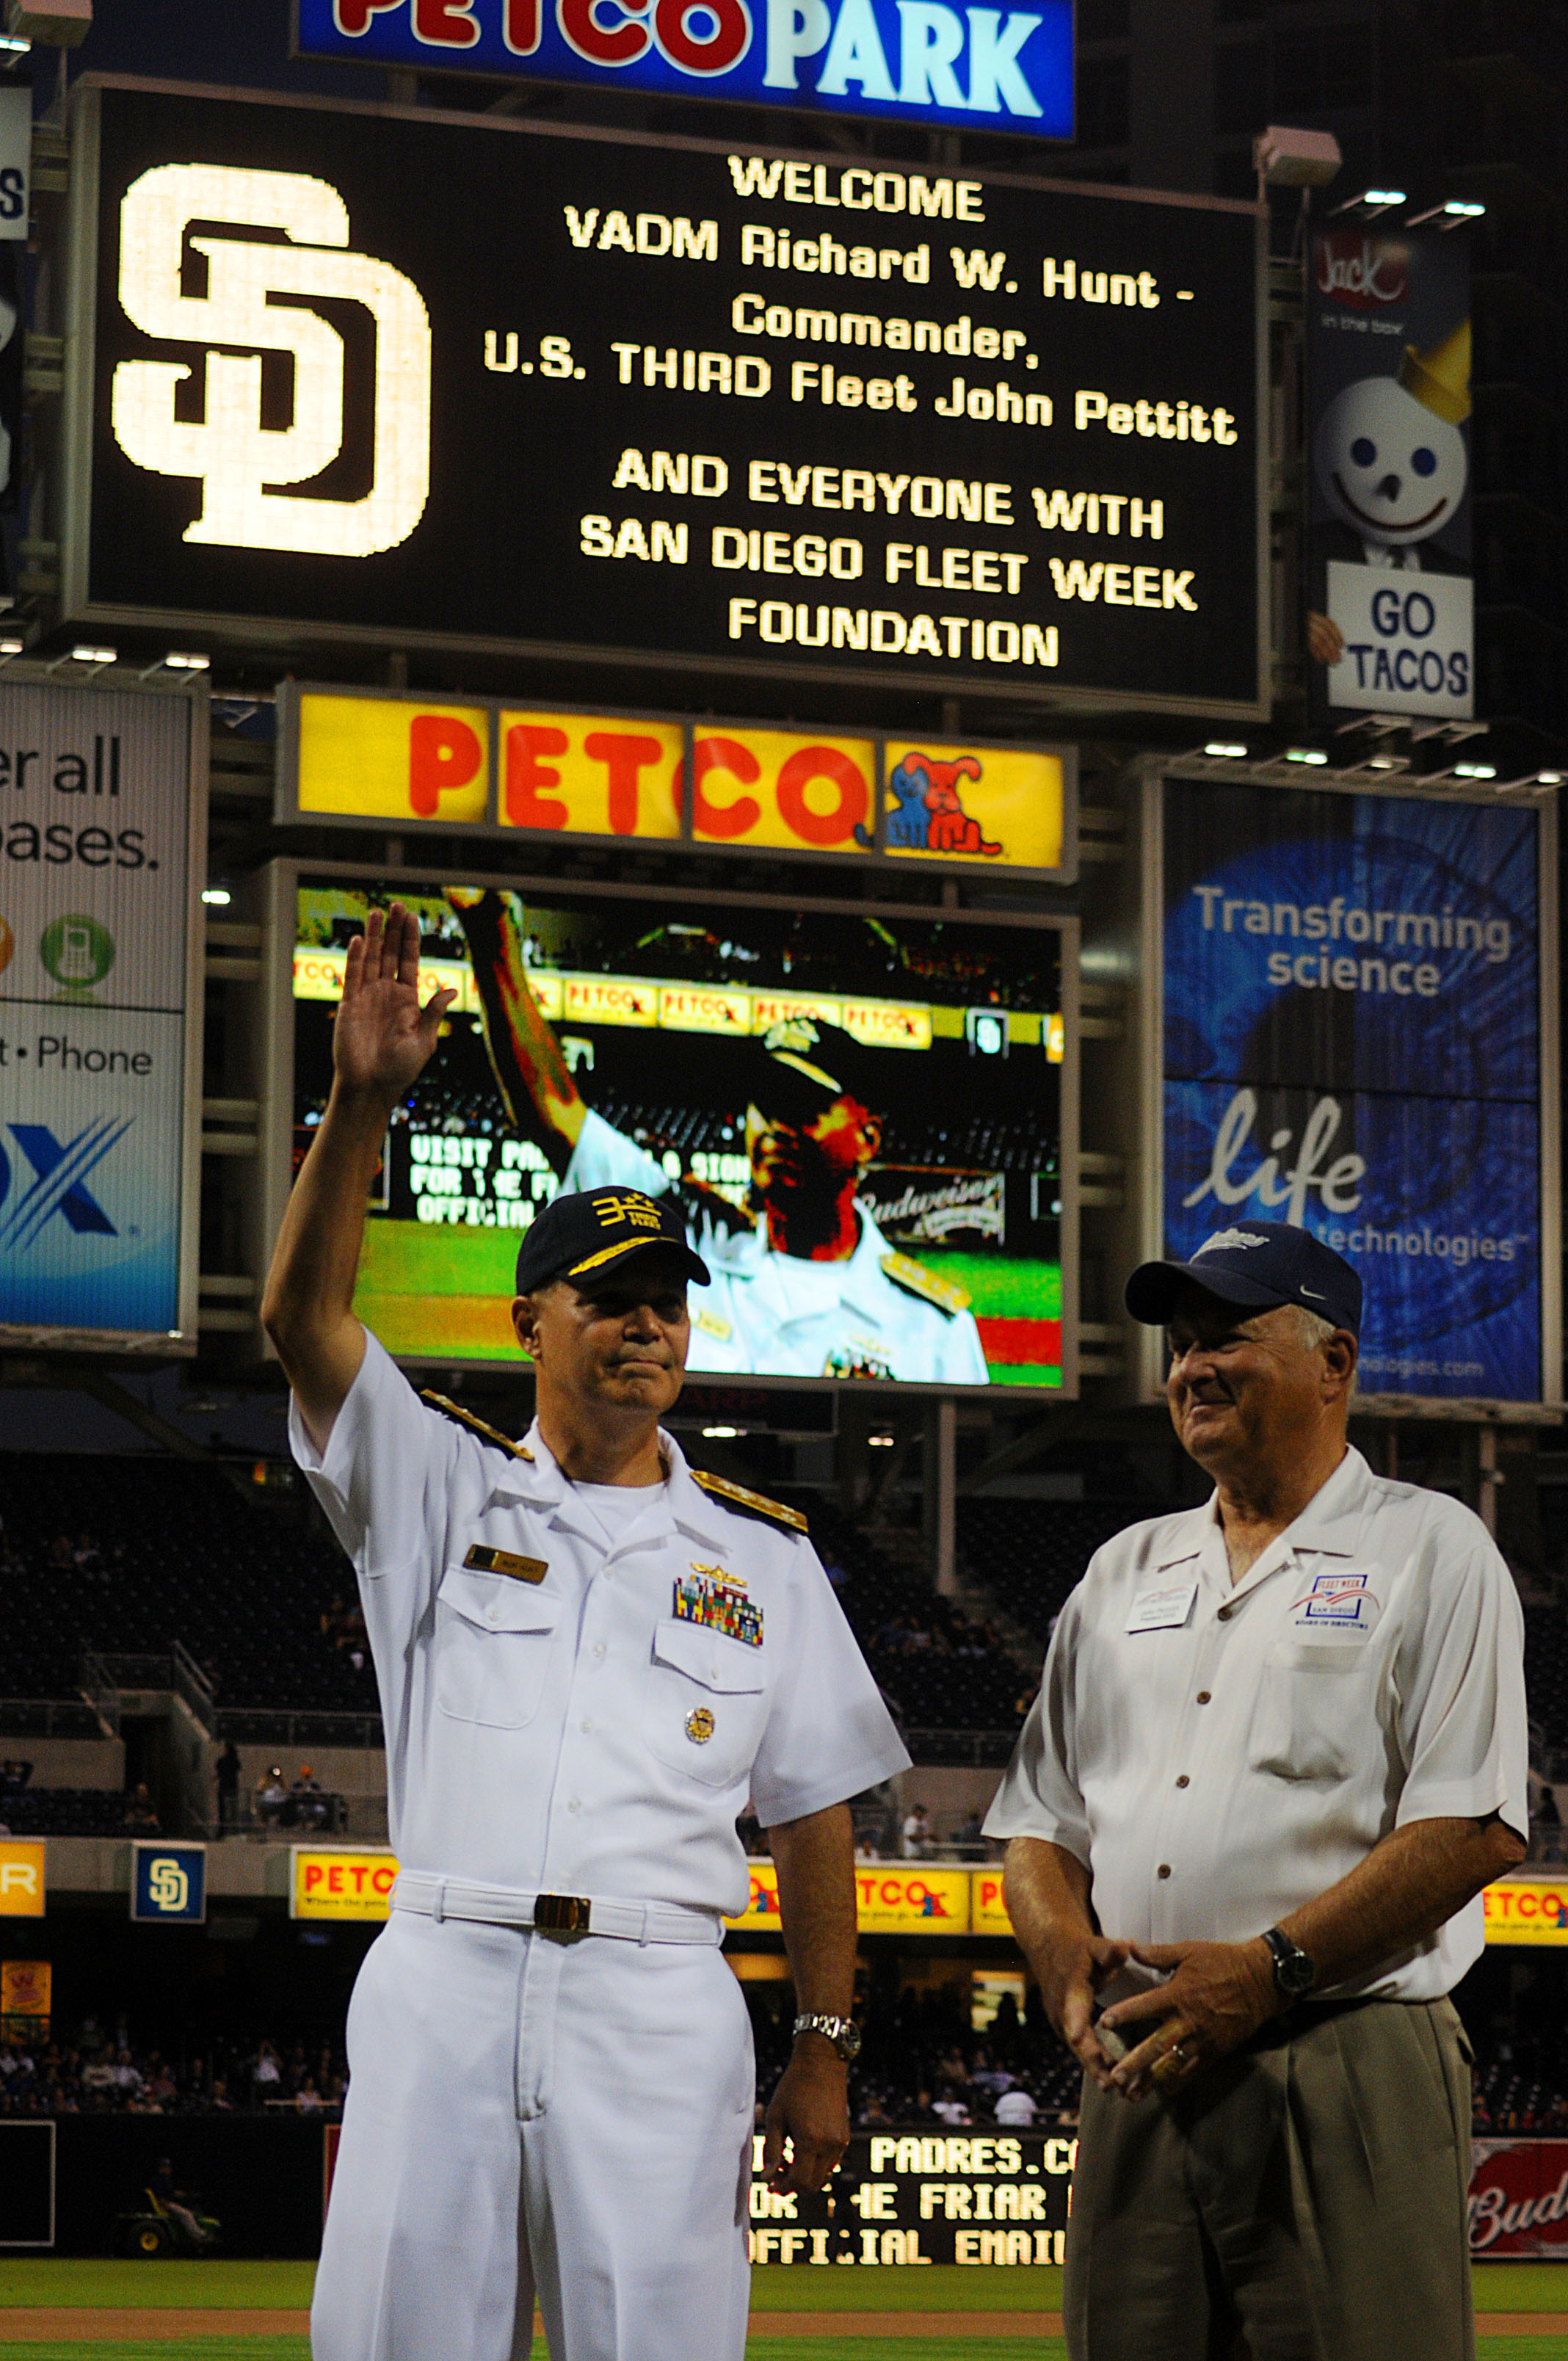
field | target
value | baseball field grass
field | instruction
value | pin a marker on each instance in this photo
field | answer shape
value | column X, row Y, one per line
column 59, row 2310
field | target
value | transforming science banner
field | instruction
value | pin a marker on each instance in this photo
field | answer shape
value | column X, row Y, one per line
column 94, row 930
column 1391, row 622
column 1352, row 1042
column 860, row 1118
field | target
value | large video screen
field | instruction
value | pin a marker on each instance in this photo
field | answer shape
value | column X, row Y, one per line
column 859, row 1116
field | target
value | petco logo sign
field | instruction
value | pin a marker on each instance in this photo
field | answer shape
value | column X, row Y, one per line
column 239, row 461
column 56, row 1185
column 911, row 60
column 169, row 1884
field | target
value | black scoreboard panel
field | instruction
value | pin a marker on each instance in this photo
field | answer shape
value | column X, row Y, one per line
column 987, row 2199
column 631, row 398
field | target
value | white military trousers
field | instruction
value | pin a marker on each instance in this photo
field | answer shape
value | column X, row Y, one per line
column 529, row 2115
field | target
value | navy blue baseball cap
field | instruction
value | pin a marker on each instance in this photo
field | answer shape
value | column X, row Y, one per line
column 583, row 1234
column 1259, row 1264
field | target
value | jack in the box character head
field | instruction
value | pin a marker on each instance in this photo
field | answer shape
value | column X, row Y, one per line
column 1390, row 459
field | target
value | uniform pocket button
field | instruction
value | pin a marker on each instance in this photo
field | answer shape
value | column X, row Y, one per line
column 1204, row 1696
column 1184, row 1781
column 493, row 1614
column 584, row 1726
column 1164, row 1869
column 599, row 1647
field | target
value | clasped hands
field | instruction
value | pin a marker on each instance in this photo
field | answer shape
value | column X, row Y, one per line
column 1213, row 1996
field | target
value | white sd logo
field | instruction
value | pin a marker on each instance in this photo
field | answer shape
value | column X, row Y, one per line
column 238, row 459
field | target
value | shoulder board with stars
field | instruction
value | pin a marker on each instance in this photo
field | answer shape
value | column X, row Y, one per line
column 490, row 1434
column 915, row 1280
column 743, row 1503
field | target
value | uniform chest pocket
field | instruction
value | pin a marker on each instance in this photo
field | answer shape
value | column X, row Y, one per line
column 706, row 1702
column 1314, row 1707
column 493, row 1647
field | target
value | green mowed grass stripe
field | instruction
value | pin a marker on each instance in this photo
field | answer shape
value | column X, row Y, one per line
column 1521, row 2348
column 166, row 2285
column 1520, row 2287
column 894, row 2287
column 190, row 2348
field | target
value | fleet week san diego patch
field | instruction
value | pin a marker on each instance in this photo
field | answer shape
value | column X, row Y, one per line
column 718, row 1607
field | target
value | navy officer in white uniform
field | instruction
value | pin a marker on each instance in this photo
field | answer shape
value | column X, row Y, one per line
column 589, row 1659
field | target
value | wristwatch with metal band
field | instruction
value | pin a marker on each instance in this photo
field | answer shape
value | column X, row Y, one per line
column 841, row 2031
column 1293, row 1969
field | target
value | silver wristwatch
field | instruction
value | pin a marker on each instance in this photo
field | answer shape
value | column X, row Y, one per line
column 841, row 2031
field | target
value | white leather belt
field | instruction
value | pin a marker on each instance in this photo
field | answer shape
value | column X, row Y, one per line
column 554, row 1914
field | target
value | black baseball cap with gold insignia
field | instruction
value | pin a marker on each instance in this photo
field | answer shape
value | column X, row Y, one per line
column 586, row 1234
column 804, row 1063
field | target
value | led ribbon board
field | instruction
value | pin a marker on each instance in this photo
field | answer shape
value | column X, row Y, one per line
column 977, row 69
column 661, row 402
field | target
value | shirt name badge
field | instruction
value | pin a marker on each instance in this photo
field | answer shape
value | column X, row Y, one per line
column 1166, row 1610
column 482, row 1560
column 1336, row 1602
column 718, row 1606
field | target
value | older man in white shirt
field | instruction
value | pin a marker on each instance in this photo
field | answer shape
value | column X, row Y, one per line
column 1279, row 1750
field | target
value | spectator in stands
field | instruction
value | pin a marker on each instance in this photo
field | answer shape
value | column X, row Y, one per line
column 266, row 2075
column 1546, row 1825
column 312, row 1808
column 226, row 1773
column 141, row 1817
column 16, row 1773
column 1016, row 2109
column 968, row 1841
column 950, row 2109
column 307, row 2098
column 917, row 1834
column 271, row 1796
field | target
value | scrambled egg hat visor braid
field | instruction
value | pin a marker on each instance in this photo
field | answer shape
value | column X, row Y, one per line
column 1258, row 1265
column 588, row 1234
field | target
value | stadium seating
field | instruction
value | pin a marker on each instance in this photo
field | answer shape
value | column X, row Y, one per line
column 174, row 1553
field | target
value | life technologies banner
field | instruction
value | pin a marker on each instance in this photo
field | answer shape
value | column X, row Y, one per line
column 1390, row 627
column 1352, row 1042
column 94, row 917
column 859, row 1117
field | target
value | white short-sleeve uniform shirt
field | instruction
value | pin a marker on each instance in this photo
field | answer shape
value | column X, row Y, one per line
column 1217, row 1755
column 597, row 1728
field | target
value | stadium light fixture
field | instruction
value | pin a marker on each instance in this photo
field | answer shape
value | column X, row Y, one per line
column 721, row 1433
column 177, row 660
column 10, row 646
column 1542, row 778
column 92, row 659
column 1226, row 747
column 1312, row 755
column 880, row 1442
column 217, row 896
column 11, row 45
column 1474, row 770
column 1372, row 202
column 1453, row 213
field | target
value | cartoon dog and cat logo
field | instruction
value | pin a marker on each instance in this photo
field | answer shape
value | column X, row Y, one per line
column 929, row 815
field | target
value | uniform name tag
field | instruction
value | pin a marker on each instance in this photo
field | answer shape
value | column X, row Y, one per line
column 717, row 1608
column 1166, row 1610
column 481, row 1560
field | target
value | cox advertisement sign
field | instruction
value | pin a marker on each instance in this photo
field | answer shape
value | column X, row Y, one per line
column 910, row 60
column 96, row 890
column 1352, row 1023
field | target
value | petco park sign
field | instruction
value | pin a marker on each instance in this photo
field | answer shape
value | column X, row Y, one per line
column 493, row 770
column 910, row 60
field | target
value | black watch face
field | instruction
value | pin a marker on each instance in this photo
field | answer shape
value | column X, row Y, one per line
column 1294, row 1973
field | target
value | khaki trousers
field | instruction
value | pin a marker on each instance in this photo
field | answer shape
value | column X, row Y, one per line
column 1308, row 2194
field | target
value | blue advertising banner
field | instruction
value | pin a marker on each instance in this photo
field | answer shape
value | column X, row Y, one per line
column 169, row 1884
column 94, row 923
column 905, row 61
column 1352, row 1043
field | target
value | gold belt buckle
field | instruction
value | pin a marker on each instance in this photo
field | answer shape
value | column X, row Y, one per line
column 561, row 1914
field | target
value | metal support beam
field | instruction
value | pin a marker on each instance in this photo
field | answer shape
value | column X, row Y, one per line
column 941, row 1494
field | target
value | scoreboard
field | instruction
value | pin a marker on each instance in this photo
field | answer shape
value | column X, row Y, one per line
column 659, row 403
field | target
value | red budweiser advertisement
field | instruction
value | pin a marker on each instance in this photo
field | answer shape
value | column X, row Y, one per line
column 1519, row 2200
